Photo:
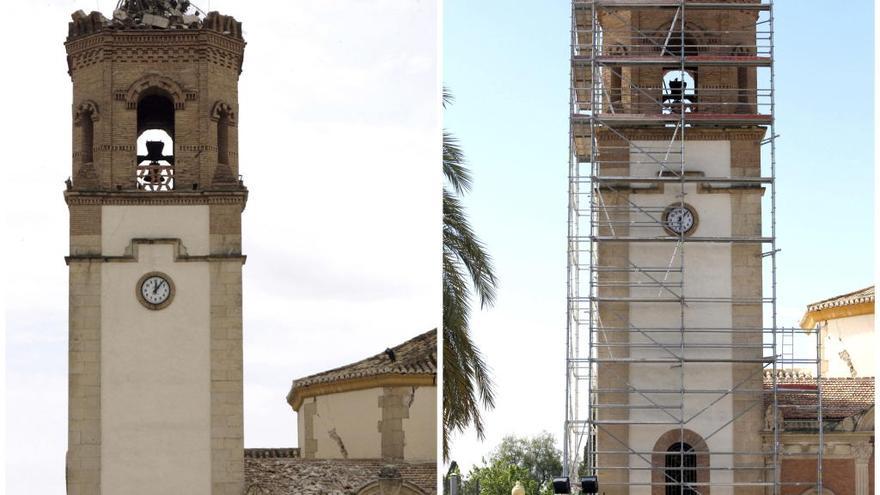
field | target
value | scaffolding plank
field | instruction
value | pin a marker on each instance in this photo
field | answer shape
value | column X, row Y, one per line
column 691, row 118
column 695, row 60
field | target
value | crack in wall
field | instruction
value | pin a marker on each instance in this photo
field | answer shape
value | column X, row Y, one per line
column 844, row 354
column 412, row 398
column 336, row 438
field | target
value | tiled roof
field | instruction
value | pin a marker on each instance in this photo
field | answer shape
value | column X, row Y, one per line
column 417, row 356
column 294, row 476
column 860, row 296
column 841, row 397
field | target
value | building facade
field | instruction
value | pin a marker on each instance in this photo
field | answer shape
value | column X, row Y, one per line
column 366, row 428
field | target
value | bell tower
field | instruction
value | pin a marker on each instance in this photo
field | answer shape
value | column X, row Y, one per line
column 671, row 303
column 155, row 201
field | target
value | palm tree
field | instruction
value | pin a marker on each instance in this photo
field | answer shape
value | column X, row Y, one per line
column 467, row 271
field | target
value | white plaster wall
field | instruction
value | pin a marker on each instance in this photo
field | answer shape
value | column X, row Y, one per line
column 710, row 157
column 355, row 417
column 420, row 429
column 155, row 366
column 707, row 274
column 855, row 335
column 120, row 224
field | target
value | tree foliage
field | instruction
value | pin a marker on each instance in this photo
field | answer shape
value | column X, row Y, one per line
column 537, row 455
column 467, row 272
column 533, row 461
column 498, row 478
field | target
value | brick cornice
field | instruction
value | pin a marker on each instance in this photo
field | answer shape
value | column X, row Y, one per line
column 179, row 45
column 691, row 134
column 156, row 198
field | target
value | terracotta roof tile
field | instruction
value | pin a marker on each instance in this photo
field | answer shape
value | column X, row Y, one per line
column 841, row 397
column 857, row 297
column 415, row 356
column 293, row 476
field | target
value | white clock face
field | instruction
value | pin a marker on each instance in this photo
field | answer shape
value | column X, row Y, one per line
column 155, row 289
column 680, row 219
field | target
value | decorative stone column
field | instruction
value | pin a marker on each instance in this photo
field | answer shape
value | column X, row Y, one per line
column 862, row 455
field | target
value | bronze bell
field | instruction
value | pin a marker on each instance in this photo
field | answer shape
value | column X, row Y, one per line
column 154, row 153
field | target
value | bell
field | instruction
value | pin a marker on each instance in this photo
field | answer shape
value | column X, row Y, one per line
column 154, row 153
column 154, row 150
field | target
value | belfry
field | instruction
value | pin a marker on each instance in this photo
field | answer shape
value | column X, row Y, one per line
column 155, row 262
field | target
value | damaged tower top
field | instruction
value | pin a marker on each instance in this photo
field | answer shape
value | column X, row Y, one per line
column 152, row 14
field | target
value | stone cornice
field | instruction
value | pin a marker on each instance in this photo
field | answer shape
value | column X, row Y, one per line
column 296, row 396
column 812, row 318
column 837, row 445
column 156, row 198
column 132, row 253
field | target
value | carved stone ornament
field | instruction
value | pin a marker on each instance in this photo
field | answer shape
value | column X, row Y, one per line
column 862, row 451
column 87, row 107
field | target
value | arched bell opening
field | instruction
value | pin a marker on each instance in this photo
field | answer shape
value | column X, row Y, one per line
column 679, row 90
column 155, row 142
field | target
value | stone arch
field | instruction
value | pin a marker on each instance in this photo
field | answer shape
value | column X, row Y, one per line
column 256, row 489
column 814, row 491
column 658, row 459
column 87, row 107
column 151, row 83
column 866, row 422
column 375, row 488
column 695, row 35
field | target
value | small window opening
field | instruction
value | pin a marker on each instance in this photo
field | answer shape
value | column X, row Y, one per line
column 679, row 91
column 681, row 470
column 88, row 137
column 742, row 83
column 223, row 139
column 155, row 120
column 615, row 91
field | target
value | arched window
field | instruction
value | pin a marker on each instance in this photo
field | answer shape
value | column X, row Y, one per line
column 223, row 139
column 681, row 469
column 155, row 130
column 88, row 138
column 680, row 464
column 85, row 117
column 224, row 116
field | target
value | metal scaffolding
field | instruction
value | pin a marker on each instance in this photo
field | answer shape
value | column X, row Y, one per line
column 660, row 349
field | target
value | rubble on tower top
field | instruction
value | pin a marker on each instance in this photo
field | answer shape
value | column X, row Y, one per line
column 152, row 14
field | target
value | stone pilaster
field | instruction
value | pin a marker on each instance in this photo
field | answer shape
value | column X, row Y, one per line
column 227, row 423
column 863, row 452
column 395, row 408
column 84, row 380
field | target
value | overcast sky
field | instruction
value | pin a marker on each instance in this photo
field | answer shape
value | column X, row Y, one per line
column 339, row 125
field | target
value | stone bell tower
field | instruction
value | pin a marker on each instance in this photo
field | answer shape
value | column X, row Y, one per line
column 155, row 201
column 672, row 172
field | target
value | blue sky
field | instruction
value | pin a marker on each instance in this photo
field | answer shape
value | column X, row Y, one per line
column 507, row 65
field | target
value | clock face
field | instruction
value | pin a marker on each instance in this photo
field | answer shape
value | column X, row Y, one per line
column 155, row 290
column 679, row 219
